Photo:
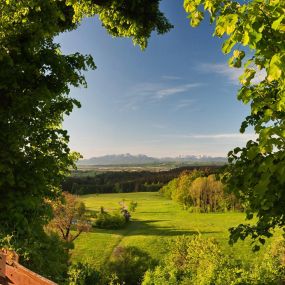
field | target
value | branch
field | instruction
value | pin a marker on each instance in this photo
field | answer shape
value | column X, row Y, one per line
column 76, row 236
column 62, row 232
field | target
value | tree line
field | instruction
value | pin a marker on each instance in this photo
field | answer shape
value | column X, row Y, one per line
column 125, row 181
column 198, row 191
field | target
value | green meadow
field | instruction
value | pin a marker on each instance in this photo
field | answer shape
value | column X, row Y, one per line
column 154, row 224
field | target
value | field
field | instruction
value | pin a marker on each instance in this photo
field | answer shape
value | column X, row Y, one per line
column 153, row 167
column 154, row 223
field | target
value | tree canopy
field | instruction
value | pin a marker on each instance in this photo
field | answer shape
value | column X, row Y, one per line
column 69, row 218
column 254, row 33
column 35, row 80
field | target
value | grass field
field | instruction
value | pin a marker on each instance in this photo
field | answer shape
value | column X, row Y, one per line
column 155, row 222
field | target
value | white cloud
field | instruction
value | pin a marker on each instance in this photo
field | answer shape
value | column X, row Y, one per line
column 184, row 104
column 259, row 76
column 174, row 90
column 154, row 92
column 232, row 74
column 159, row 90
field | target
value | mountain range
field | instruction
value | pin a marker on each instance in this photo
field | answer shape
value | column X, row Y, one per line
column 128, row 159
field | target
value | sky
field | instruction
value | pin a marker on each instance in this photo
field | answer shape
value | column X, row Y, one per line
column 178, row 97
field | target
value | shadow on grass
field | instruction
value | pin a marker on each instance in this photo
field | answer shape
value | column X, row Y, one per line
column 150, row 228
column 129, row 264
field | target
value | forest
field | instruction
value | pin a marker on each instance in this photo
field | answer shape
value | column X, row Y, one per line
column 89, row 182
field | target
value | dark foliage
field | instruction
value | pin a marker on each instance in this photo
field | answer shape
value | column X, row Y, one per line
column 111, row 221
column 125, row 181
column 83, row 274
column 129, row 264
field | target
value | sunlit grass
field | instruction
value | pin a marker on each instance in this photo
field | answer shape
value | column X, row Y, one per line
column 155, row 221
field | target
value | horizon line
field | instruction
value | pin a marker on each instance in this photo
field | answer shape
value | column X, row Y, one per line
column 157, row 157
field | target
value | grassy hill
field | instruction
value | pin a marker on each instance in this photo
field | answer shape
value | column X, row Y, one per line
column 155, row 222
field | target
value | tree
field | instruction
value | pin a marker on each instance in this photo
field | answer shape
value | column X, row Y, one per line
column 69, row 216
column 169, row 188
column 181, row 193
column 132, row 206
column 207, row 195
column 35, row 80
column 256, row 173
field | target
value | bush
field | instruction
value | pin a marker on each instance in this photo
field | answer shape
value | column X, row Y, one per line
column 110, row 221
column 197, row 261
column 192, row 260
column 129, row 264
column 270, row 269
column 82, row 274
column 132, row 206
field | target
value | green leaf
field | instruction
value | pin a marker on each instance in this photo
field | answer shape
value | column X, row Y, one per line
column 228, row 45
column 274, row 2
column 230, row 22
column 275, row 25
column 236, row 59
column 245, row 39
column 247, row 76
column 220, row 27
column 252, row 152
column 275, row 70
column 190, row 6
column 196, row 18
column 254, row 38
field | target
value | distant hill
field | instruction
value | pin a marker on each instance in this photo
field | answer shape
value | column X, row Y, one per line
column 128, row 159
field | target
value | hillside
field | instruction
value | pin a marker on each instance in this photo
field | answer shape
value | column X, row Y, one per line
column 155, row 222
column 128, row 159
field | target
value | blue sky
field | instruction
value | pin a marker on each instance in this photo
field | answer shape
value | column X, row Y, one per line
column 177, row 97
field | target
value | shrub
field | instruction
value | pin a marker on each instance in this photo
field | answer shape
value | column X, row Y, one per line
column 132, row 206
column 271, row 268
column 192, row 260
column 114, row 280
column 110, row 221
column 126, row 214
column 129, row 264
column 197, row 261
column 82, row 274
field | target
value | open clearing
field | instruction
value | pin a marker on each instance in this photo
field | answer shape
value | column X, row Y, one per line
column 155, row 221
